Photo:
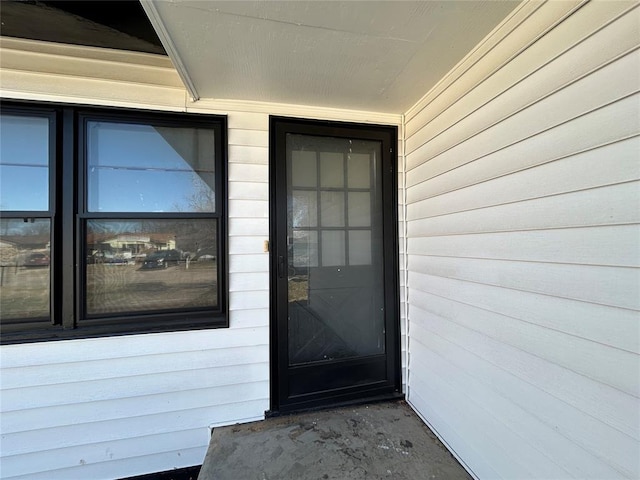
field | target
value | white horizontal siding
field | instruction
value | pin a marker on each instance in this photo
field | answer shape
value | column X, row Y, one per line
column 586, row 132
column 611, row 367
column 147, row 364
column 579, row 431
column 541, row 68
column 248, row 223
column 605, row 86
column 122, row 468
column 523, row 247
column 94, row 404
column 609, row 205
column 608, row 165
column 607, row 286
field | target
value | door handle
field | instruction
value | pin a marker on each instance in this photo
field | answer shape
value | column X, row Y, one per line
column 281, row 266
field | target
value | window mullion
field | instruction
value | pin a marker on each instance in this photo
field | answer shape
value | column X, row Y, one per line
column 67, row 210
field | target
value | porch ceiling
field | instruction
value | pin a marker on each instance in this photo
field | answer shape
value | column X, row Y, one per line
column 379, row 56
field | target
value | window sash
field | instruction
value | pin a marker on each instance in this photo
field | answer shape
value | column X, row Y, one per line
column 30, row 272
column 137, row 263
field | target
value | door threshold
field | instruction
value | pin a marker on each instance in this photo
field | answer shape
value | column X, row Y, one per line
column 395, row 396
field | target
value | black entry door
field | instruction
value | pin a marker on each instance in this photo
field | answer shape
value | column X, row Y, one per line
column 334, row 263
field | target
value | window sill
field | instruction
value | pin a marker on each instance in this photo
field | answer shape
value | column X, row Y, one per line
column 49, row 333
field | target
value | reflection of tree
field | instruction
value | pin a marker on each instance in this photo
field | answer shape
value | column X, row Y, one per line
column 202, row 197
column 27, row 227
column 198, row 237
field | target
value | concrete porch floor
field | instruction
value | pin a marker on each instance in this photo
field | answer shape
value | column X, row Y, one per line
column 378, row 441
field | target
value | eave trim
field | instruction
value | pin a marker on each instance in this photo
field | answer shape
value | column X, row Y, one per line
column 165, row 38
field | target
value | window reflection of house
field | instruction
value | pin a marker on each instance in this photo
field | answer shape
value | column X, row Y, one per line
column 15, row 248
column 131, row 242
column 8, row 252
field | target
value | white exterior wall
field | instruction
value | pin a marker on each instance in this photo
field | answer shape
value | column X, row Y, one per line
column 106, row 408
column 523, row 246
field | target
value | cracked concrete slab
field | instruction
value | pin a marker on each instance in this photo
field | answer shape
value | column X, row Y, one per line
column 378, row 441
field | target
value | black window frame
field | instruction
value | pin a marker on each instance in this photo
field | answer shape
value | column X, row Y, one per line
column 68, row 213
column 27, row 215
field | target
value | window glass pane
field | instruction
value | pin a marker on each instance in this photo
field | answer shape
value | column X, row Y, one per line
column 360, row 247
column 332, row 209
column 305, row 208
column 151, row 265
column 25, row 249
column 331, row 170
column 333, row 248
column 142, row 168
column 359, row 170
column 24, row 163
column 304, row 171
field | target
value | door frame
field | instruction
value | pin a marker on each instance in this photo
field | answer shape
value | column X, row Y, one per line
column 278, row 127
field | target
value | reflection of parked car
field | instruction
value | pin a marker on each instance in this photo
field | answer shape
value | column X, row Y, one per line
column 37, row 260
column 106, row 258
column 161, row 259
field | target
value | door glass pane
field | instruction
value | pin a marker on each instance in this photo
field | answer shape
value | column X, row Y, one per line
column 359, row 209
column 25, row 273
column 146, row 168
column 150, row 265
column 305, row 206
column 360, row 247
column 359, row 166
column 331, row 169
column 333, row 248
column 332, row 209
column 305, row 251
column 304, row 171
column 335, row 275
column 24, row 163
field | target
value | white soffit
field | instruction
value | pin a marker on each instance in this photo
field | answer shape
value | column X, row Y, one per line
column 379, row 56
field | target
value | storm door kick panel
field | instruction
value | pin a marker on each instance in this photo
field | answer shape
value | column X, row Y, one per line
column 335, row 263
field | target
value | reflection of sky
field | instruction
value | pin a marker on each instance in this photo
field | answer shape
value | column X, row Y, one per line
column 24, row 159
column 134, row 168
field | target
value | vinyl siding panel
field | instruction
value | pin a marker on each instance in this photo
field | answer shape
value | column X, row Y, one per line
column 592, row 170
column 537, row 70
column 611, row 83
column 602, row 127
column 98, row 402
column 609, row 205
column 523, row 248
column 514, row 37
column 441, row 358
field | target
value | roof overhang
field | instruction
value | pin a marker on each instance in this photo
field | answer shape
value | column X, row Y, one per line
column 378, row 56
